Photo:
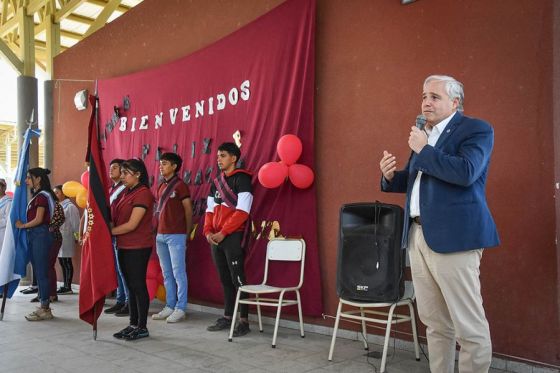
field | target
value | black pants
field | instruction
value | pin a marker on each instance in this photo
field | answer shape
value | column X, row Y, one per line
column 134, row 264
column 67, row 271
column 228, row 257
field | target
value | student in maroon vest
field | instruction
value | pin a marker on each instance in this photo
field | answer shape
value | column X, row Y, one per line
column 116, row 191
column 134, row 233
column 39, row 239
column 229, row 204
column 174, row 216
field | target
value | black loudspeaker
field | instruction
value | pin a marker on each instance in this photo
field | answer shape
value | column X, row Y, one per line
column 370, row 258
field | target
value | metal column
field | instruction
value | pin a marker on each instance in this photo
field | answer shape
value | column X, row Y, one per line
column 48, row 122
column 27, row 104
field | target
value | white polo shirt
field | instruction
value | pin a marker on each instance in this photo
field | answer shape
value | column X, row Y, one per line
column 433, row 136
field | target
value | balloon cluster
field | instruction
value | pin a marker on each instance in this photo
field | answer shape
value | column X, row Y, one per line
column 78, row 190
column 272, row 174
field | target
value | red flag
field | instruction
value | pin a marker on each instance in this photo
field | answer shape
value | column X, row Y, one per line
column 97, row 275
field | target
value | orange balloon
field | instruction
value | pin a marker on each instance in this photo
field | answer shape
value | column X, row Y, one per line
column 71, row 188
column 81, row 198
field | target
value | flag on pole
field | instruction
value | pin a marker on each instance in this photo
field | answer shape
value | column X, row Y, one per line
column 15, row 252
column 97, row 275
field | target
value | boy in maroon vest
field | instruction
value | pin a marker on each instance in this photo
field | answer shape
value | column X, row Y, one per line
column 174, row 215
column 229, row 204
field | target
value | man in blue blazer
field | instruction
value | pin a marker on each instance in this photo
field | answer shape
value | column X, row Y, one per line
column 448, row 224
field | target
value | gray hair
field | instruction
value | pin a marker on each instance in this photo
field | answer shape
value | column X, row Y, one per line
column 453, row 87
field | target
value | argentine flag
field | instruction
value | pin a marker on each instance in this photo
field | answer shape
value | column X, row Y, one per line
column 15, row 253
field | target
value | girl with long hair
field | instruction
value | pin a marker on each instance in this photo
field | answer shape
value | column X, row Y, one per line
column 39, row 239
column 134, row 233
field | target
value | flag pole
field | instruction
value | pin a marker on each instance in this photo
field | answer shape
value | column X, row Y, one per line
column 94, row 326
column 5, row 295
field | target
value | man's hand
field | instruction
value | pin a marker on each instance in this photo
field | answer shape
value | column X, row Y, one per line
column 388, row 165
column 19, row 224
column 417, row 139
column 210, row 239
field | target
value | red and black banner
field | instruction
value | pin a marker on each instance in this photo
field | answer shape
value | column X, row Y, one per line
column 97, row 275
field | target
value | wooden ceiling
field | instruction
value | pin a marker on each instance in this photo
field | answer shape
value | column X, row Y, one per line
column 33, row 32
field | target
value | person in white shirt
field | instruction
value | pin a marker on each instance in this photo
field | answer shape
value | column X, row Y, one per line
column 5, row 207
column 447, row 224
column 69, row 231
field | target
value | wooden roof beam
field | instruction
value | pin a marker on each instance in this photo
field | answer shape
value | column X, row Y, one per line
column 68, row 34
column 11, row 57
column 121, row 8
column 102, row 18
column 4, row 12
column 34, row 6
column 68, row 8
column 8, row 26
column 27, row 44
column 80, row 18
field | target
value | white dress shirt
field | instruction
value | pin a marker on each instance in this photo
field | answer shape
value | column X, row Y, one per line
column 433, row 136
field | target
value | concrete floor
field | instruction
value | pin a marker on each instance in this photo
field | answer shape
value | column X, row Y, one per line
column 65, row 344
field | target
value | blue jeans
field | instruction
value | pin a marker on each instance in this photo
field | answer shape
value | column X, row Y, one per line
column 39, row 241
column 172, row 250
column 122, row 289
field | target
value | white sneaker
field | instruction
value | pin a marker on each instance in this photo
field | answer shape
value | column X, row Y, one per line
column 176, row 316
column 163, row 314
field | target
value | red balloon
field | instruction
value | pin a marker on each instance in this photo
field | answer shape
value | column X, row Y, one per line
column 153, row 270
column 301, row 176
column 85, row 179
column 272, row 174
column 11, row 194
column 289, row 149
column 152, row 287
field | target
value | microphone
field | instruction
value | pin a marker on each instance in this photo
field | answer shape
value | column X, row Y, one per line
column 420, row 122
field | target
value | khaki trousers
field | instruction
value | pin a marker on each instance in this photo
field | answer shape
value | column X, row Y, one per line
column 447, row 288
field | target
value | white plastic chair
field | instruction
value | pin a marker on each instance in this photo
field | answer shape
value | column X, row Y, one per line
column 387, row 317
column 278, row 249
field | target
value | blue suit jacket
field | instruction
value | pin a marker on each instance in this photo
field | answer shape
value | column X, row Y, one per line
column 453, row 209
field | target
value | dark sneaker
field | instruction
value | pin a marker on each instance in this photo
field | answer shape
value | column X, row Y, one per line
column 137, row 334
column 114, row 309
column 30, row 290
column 121, row 334
column 123, row 311
column 35, row 300
column 64, row 290
column 241, row 329
column 221, row 324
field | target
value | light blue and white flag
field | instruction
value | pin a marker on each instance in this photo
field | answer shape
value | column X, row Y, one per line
column 15, row 253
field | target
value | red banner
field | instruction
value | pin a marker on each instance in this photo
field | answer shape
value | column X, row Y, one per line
column 97, row 272
column 253, row 86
